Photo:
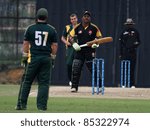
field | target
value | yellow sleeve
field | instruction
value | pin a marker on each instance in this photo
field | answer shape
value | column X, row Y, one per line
column 67, row 28
column 98, row 33
column 72, row 33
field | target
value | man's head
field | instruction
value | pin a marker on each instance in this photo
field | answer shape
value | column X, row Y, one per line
column 73, row 19
column 42, row 14
column 86, row 18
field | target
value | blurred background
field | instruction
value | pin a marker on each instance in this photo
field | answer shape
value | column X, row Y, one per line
column 108, row 15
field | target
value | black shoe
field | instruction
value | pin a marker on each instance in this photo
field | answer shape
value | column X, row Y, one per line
column 42, row 109
column 74, row 90
column 20, row 108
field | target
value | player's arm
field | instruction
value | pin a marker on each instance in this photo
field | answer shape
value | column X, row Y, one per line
column 64, row 40
column 64, row 37
column 98, row 36
column 54, row 45
column 73, row 40
column 137, row 42
column 25, row 49
column 98, row 33
column 54, row 48
column 71, row 36
column 26, row 43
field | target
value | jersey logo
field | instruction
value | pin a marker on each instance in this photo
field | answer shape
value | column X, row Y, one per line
column 80, row 31
column 90, row 32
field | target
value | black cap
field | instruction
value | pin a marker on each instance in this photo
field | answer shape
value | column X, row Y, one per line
column 42, row 12
column 86, row 13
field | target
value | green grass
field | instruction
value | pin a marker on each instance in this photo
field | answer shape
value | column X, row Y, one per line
column 8, row 98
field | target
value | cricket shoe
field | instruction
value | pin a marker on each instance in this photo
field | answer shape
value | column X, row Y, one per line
column 132, row 86
column 74, row 90
column 42, row 109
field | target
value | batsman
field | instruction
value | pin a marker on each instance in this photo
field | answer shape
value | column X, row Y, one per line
column 81, row 34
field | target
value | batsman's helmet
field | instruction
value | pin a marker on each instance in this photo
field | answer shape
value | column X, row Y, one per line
column 42, row 14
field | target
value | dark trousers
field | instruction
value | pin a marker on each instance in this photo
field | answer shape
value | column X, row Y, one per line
column 78, row 62
column 69, row 71
column 132, row 71
column 39, row 67
column 69, row 60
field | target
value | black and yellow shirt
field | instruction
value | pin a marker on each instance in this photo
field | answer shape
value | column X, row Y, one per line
column 85, row 34
column 67, row 30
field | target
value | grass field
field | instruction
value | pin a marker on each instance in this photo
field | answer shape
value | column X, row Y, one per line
column 9, row 93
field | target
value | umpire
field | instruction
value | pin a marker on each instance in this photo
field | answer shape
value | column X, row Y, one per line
column 39, row 49
column 129, row 42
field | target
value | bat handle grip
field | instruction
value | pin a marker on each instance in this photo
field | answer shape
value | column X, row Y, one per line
column 84, row 45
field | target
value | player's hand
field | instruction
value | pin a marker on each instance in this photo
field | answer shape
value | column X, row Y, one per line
column 94, row 46
column 24, row 61
column 53, row 57
column 68, row 44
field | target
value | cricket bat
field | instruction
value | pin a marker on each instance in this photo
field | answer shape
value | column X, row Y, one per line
column 98, row 41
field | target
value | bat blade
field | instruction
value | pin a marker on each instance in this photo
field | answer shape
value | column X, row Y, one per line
column 100, row 41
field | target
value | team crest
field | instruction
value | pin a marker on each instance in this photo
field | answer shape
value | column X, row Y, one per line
column 90, row 32
column 80, row 31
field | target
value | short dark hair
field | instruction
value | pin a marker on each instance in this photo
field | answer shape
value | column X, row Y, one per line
column 72, row 15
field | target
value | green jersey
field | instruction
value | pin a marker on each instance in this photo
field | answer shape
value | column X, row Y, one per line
column 40, row 36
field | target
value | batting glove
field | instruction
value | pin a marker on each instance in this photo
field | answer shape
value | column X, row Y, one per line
column 76, row 46
column 24, row 61
column 95, row 46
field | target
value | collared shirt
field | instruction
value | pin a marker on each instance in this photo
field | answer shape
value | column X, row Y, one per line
column 129, row 41
column 67, row 30
column 85, row 34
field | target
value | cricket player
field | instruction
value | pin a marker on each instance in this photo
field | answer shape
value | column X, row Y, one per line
column 39, row 49
column 69, row 48
column 129, row 42
column 83, row 32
